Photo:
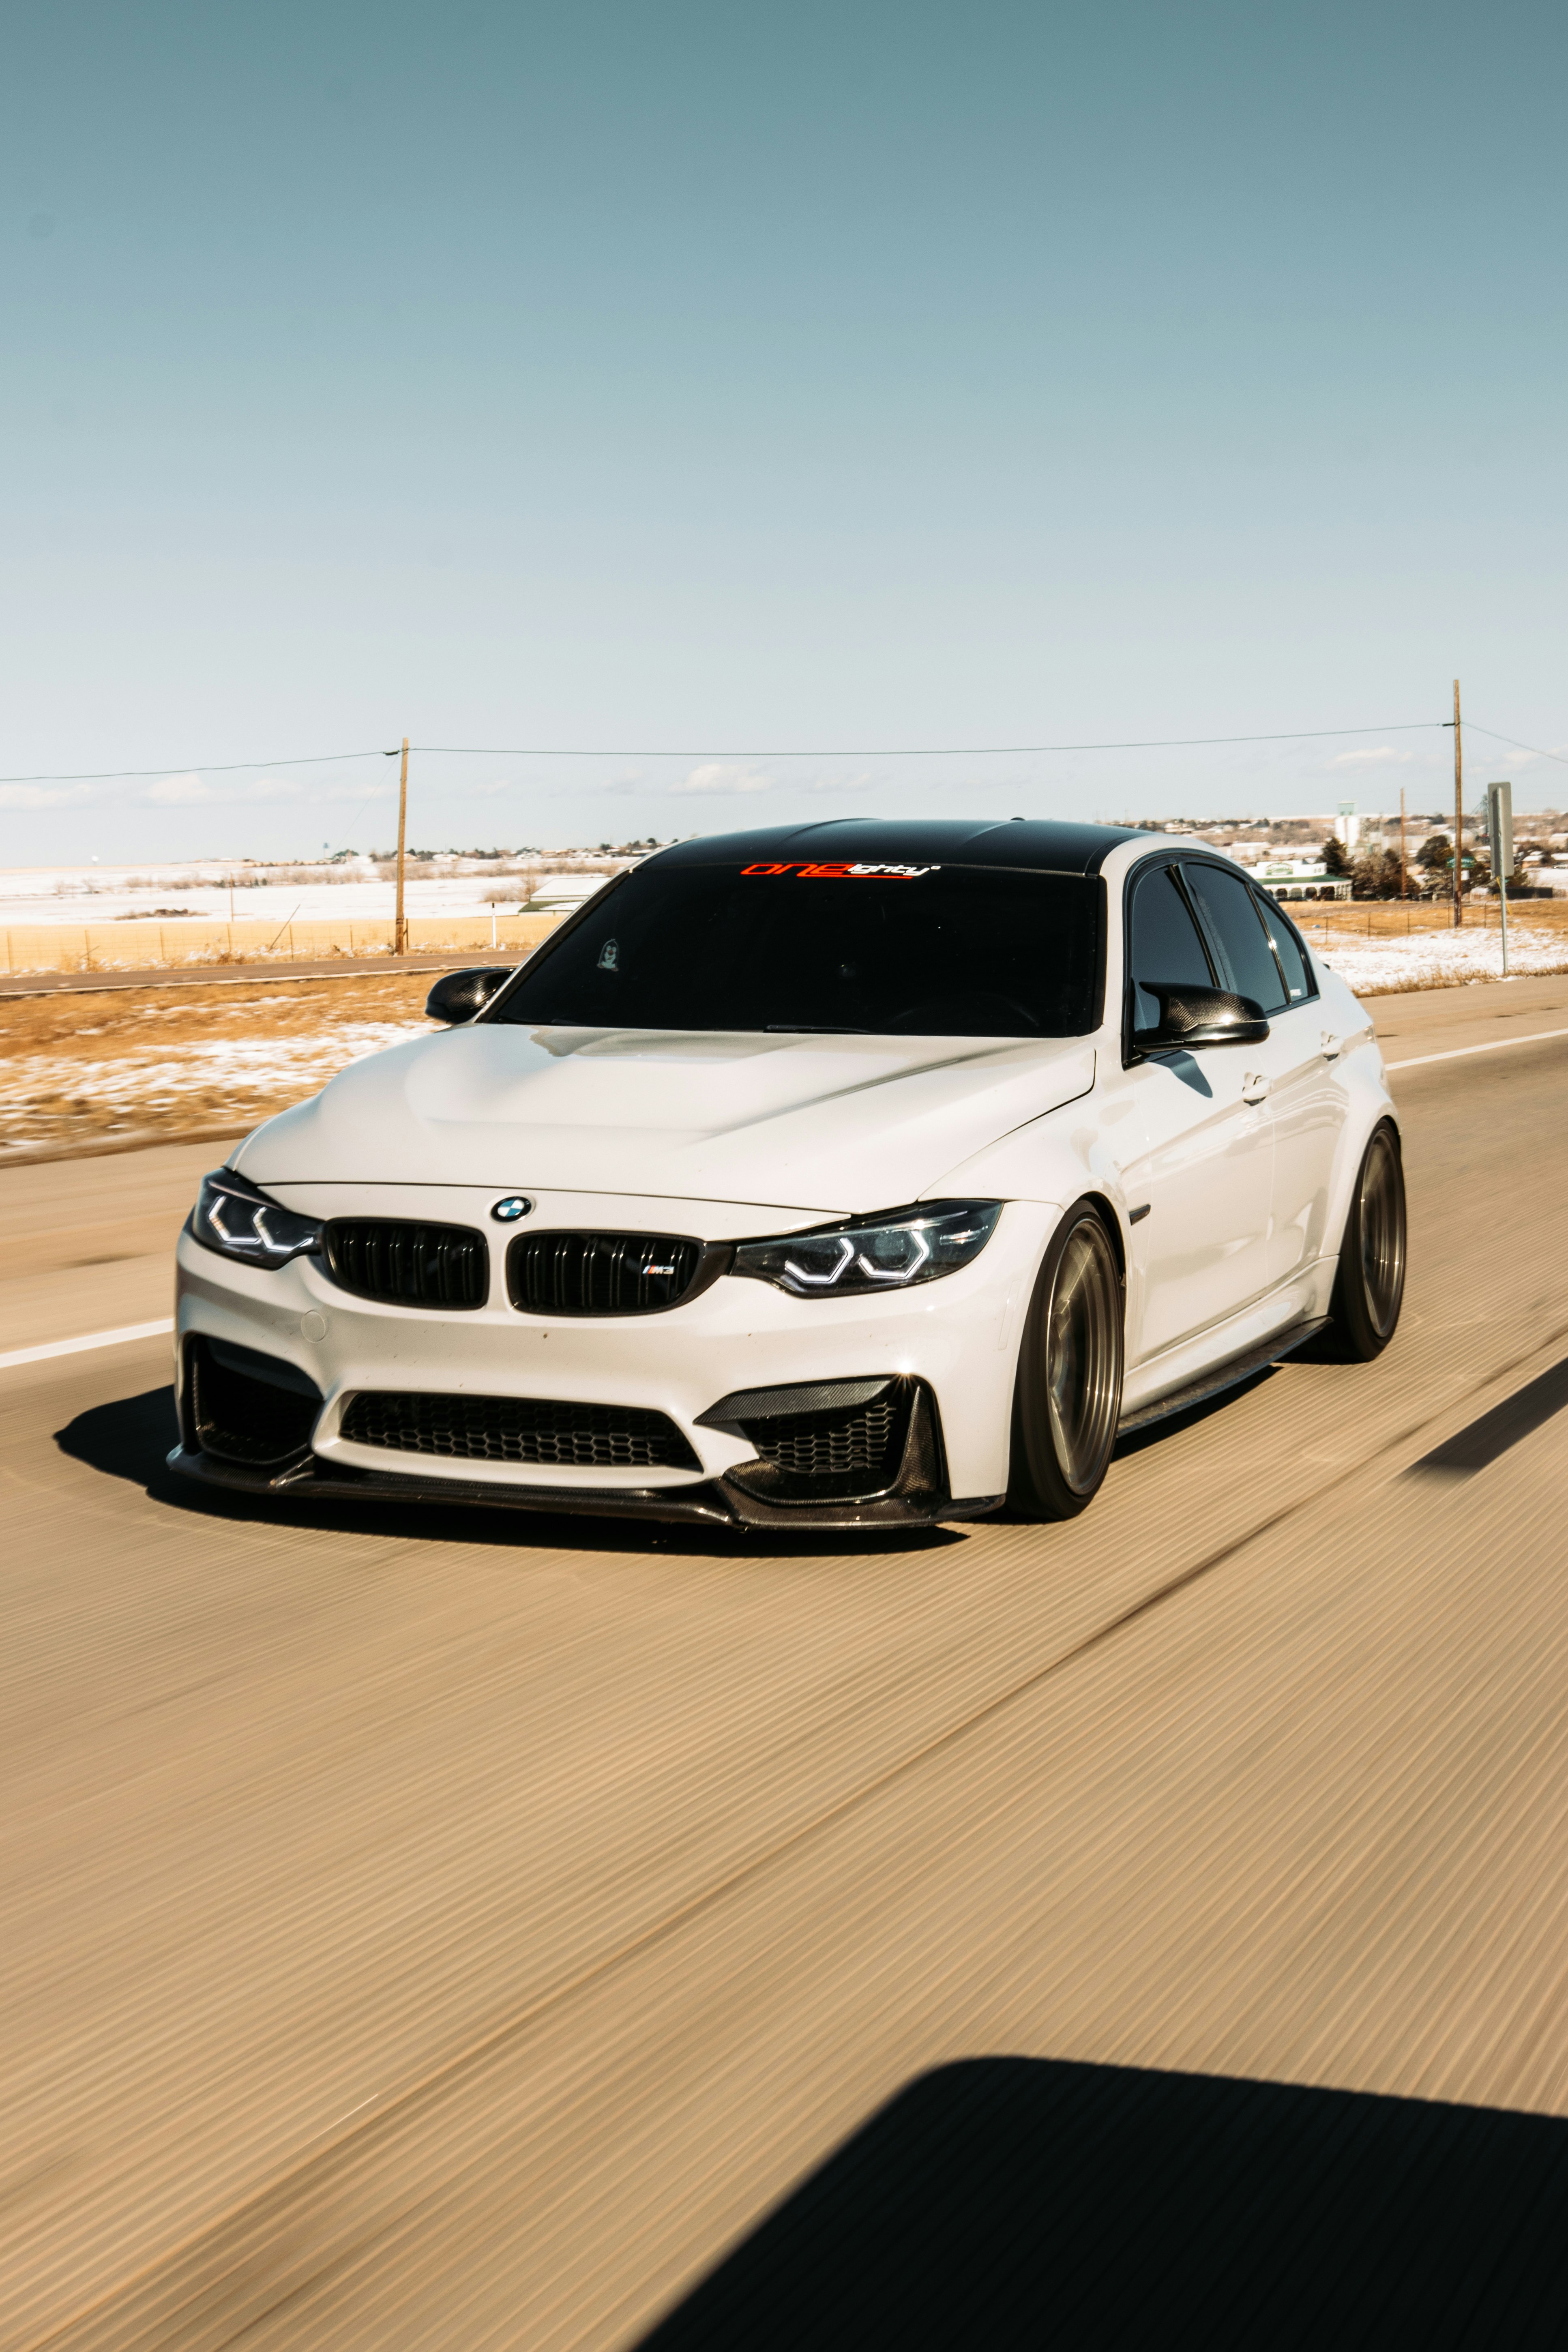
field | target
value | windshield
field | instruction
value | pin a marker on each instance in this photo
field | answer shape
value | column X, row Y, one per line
column 933, row 951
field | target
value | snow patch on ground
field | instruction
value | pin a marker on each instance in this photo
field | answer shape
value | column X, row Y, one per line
column 1382, row 967
column 44, row 1095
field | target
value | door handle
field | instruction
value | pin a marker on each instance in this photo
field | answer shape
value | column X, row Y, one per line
column 1331, row 1047
column 1255, row 1089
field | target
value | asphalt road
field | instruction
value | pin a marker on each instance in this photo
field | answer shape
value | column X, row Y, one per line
column 433, row 1931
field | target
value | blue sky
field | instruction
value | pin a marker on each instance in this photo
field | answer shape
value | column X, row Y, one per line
column 729, row 381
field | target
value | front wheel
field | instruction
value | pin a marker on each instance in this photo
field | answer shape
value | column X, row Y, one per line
column 1067, row 1399
column 1369, row 1288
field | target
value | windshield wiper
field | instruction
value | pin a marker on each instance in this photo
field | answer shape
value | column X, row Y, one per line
column 813, row 1029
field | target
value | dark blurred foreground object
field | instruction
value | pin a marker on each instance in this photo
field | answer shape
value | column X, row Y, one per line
column 1024, row 2201
column 459, row 995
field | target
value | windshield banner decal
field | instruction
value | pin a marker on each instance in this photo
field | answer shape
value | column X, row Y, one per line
column 846, row 872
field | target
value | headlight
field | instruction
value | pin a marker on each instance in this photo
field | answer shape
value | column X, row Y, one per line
column 889, row 1252
column 232, row 1218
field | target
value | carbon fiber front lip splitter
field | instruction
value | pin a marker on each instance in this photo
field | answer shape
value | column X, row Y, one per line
column 714, row 1502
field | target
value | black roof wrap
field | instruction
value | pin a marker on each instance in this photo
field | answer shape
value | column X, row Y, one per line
column 1034, row 845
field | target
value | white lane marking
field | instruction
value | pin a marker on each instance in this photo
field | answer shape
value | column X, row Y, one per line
column 1494, row 1045
column 90, row 1340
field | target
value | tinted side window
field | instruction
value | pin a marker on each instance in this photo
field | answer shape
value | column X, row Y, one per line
column 1236, row 922
column 1164, row 946
column 1288, row 947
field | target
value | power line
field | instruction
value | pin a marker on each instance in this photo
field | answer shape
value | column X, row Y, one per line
column 907, row 751
column 200, row 767
column 912, row 751
column 1518, row 746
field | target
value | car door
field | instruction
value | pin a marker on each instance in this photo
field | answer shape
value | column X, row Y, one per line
column 1254, row 946
column 1201, row 1157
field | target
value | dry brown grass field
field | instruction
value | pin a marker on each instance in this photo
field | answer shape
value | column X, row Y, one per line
column 145, row 1065
column 1379, row 918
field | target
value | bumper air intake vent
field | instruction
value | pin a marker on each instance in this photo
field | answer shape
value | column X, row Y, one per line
column 839, row 1441
column 399, row 1263
column 606, row 1273
column 243, row 1406
column 526, row 1431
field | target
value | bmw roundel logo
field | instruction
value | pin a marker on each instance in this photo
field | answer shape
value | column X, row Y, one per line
column 515, row 1205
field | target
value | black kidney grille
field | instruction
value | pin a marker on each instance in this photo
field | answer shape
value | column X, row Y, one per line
column 400, row 1264
column 600, row 1274
column 847, row 1452
column 531, row 1432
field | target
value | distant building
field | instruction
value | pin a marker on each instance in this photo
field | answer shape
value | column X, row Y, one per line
column 1300, row 878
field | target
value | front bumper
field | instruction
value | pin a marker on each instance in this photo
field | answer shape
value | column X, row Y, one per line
column 954, row 1341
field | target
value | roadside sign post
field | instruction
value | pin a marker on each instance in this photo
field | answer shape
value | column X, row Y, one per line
column 1500, row 839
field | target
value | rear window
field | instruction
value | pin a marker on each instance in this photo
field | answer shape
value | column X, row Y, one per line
column 1290, row 948
column 936, row 951
column 1236, row 925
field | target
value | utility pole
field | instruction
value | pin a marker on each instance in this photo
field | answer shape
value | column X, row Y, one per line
column 1404, row 877
column 1458, row 815
column 399, row 928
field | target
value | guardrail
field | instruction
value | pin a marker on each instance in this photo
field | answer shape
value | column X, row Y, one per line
column 135, row 945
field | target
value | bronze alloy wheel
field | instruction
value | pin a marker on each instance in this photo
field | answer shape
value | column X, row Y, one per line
column 1369, row 1289
column 1067, row 1398
column 1382, row 1224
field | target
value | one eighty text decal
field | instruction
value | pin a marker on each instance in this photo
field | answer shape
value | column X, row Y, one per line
column 847, row 873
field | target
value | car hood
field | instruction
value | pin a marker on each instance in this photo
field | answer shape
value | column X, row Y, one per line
column 825, row 1125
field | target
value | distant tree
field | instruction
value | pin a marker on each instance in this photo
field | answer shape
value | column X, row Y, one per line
column 1436, row 853
column 1336, row 858
column 1375, row 874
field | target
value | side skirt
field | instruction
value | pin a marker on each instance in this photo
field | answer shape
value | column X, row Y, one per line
column 1220, row 1377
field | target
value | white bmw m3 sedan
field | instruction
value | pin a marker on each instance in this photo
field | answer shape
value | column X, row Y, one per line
column 842, row 1176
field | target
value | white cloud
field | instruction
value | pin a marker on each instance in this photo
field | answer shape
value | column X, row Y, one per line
column 42, row 796
column 717, row 778
column 842, row 784
column 1384, row 756
column 181, row 791
column 1496, row 756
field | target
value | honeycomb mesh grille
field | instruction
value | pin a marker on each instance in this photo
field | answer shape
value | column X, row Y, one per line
column 401, row 1264
column 532, row 1433
column 830, row 1446
column 600, row 1274
column 846, row 1453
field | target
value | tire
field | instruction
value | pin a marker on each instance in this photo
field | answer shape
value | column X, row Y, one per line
column 1066, row 1399
column 1369, row 1289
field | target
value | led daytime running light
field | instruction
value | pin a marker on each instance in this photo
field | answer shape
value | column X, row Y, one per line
column 876, row 1254
column 237, row 1220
